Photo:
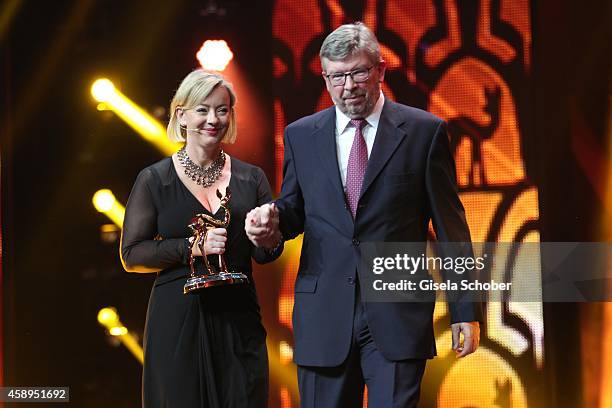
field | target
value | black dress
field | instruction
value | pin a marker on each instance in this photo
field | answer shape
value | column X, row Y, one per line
column 208, row 349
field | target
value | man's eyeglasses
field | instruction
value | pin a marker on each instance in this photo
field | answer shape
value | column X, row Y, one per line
column 358, row 75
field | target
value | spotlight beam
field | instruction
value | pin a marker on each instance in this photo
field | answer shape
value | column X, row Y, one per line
column 109, row 318
column 105, row 202
column 104, row 91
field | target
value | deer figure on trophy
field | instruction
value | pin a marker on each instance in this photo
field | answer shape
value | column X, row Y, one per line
column 212, row 276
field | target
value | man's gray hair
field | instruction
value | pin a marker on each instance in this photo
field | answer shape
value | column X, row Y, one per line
column 348, row 40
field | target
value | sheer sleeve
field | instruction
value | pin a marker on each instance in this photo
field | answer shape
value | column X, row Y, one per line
column 264, row 195
column 140, row 251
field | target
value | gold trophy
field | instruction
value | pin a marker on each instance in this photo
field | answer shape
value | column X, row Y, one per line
column 211, row 275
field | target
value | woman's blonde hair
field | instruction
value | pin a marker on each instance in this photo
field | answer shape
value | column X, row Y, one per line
column 193, row 90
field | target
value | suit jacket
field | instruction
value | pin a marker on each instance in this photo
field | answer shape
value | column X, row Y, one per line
column 410, row 179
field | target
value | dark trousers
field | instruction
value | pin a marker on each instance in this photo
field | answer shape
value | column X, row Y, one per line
column 390, row 383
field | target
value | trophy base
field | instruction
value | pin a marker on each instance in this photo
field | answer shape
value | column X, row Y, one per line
column 195, row 283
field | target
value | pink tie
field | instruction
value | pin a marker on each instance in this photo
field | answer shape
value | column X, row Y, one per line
column 357, row 163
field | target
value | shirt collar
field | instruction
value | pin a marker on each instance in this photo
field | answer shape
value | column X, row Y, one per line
column 342, row 121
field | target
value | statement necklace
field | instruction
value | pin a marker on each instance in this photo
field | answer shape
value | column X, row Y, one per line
column 203, row 176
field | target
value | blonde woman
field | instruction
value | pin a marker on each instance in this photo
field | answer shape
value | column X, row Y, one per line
column 208, row 349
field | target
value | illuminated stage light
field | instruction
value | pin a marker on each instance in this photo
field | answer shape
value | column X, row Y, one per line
column 109, row 318
column 102, row 90
column 285, row 398
column 214, row 55
column 285, row 352
column 147, row 126
column 105, row 202
column 118, row 331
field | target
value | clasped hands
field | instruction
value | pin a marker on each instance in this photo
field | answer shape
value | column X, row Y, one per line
column 262, row 226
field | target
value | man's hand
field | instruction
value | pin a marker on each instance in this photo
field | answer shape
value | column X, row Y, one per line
column 471, row 337
column 261, row 226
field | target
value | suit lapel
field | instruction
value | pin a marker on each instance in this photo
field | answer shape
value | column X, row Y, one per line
column 325, row 140
column 388, row 138
column 324, row 137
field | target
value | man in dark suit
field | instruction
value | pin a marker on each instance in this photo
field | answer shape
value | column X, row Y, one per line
column 365, row 170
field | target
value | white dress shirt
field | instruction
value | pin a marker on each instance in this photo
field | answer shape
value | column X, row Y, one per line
column 345, row 133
